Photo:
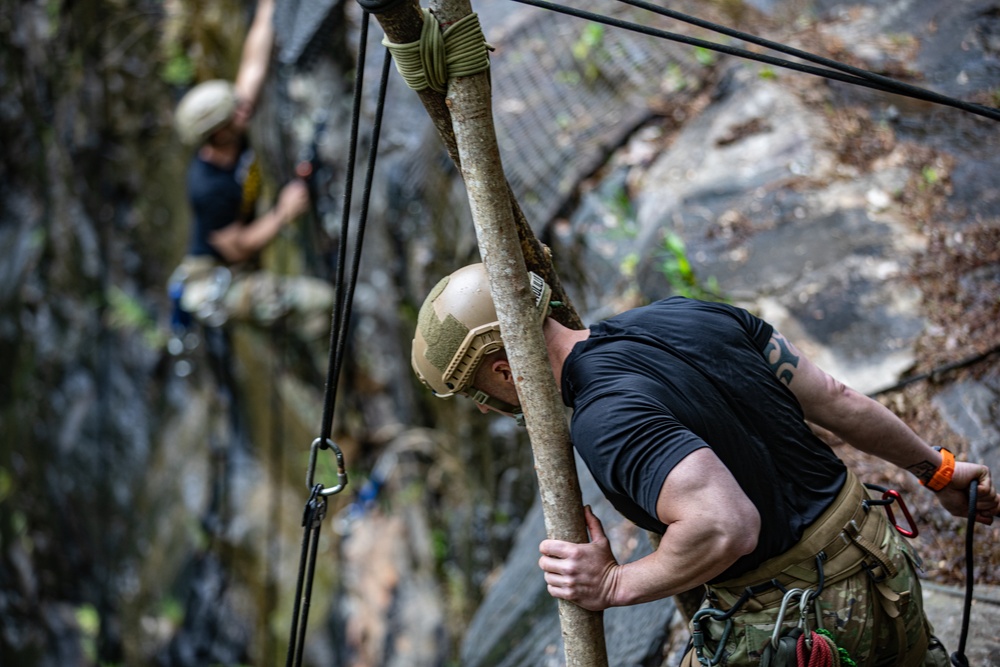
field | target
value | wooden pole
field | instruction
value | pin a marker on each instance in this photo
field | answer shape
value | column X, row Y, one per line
column 402, row 23
column 476, row 152
column 469, row 99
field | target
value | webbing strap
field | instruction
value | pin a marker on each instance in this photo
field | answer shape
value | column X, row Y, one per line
column 888, row 568
column 428, row 63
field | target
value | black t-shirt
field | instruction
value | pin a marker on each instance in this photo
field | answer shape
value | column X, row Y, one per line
column 652, row 385
column 220, row 196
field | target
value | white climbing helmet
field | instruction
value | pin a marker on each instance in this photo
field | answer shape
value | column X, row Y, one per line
column 204, row 109
column 457, row 326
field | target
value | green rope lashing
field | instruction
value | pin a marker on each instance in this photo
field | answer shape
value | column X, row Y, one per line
column 461, row 50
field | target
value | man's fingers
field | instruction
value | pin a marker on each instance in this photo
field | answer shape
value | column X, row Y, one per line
column 555, row 548
column 594, row 525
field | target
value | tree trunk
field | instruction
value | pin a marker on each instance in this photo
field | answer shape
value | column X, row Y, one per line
column 472, row 144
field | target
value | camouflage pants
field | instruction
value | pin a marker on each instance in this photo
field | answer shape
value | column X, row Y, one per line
column 878, row 623
column 215, row 294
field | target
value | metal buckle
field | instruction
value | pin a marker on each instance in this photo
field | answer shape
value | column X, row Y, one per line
column 870, row 568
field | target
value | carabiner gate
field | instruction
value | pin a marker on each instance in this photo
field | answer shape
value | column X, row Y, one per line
column 311, row 471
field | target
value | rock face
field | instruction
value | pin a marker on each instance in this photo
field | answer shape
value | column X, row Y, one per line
column 800, row 200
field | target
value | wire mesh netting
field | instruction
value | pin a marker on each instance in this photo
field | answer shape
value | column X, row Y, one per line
column 567, row 92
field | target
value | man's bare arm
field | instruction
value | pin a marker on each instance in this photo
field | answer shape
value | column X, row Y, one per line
column 711, row 523
column 869, row 426
column 256, row 57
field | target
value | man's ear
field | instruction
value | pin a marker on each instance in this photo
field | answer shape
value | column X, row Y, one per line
column 502, row 367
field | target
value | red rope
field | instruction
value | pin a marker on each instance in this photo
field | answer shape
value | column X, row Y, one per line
column 820, row 656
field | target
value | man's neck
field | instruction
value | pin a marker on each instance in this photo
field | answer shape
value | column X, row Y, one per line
column 220, row 155
column 559, row 341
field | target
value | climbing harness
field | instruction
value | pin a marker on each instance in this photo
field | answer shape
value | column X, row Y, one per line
column 843, row 542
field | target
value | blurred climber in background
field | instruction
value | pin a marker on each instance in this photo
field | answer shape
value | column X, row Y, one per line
column 693, row 418
column 217, row 280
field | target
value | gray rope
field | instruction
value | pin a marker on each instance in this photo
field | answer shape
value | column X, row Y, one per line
column 427, row 63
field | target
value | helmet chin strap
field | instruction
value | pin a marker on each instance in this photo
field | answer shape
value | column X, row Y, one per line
column 483, row 398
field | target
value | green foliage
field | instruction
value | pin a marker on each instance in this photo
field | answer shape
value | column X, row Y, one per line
column 589, row 42
column 705, row 57
column 589, row 49
column 674, row 80
column 6, row 484
column 89, row 622
column 439, row 545
column 52, row 9
column 619, row 207
column 629, row 264
column 767, row 73
column 178, row 70
column 172, row 610
column 127, row 314
column 676, row 268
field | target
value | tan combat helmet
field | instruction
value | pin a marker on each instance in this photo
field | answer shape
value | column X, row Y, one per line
column 204, row 109
column 457, row 327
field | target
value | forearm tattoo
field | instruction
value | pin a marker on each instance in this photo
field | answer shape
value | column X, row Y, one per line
column 924, row 470
column 781, row 359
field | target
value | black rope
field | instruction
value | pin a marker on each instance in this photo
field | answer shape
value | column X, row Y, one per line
column 378, row 6
column 833, row 70
column 934, row 373
column 345, row 294
column 336, row 334
column 345, row 312
column 958, row 658
column 312, row 521
column 344, row 298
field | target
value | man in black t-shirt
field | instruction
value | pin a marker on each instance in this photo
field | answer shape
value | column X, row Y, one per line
column 692, row 417
column 224, row 183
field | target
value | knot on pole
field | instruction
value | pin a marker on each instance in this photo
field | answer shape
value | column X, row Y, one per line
column 461, row 50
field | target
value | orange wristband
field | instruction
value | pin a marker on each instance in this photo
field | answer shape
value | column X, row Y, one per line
column 944, row 472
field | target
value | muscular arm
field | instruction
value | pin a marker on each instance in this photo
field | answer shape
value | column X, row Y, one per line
column 256, row 56
column 237, row 242
column 870, row 427
column 711, row 523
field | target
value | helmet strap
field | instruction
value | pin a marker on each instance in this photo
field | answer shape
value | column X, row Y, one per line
column 481, row 397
